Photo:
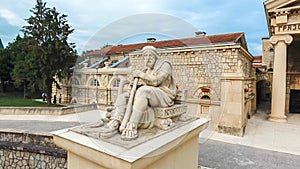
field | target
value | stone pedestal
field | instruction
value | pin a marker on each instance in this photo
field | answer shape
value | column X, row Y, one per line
column 175, row 149
column 234, row 115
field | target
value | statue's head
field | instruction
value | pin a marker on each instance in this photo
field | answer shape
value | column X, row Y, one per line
column 150, row 53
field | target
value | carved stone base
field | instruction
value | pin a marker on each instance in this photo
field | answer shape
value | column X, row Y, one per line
column 165, row 117
column 170, row 112
column 282, row 119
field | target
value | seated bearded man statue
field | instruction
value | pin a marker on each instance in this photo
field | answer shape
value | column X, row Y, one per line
column 158, row 90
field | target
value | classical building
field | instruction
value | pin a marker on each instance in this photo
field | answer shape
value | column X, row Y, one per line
column 215, row 71
column 279, row 74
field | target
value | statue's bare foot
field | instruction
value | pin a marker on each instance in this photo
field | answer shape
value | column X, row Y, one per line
column 111, row 129
column 130, row 132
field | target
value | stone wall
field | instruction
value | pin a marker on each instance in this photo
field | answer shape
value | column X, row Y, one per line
column 267, row 53
column 194, row 69
column 24, row 150
column 206, row 67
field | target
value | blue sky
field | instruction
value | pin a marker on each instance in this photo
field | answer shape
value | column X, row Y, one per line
column 93, row 18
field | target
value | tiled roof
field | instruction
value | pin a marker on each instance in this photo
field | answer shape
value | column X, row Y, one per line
column 257, row 62
column 257, row 59
column 213, row 39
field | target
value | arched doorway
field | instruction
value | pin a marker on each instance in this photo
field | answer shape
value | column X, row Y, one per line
column 263, row 95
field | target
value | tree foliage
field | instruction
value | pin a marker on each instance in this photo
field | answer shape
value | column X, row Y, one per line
column 49, row 53
column 22, row 72
column 6, row 67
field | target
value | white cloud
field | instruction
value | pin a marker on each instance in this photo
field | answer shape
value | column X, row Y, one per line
column 90, row 17
column 12, row 18
column 99, row 11
column 148, row 23
column 255, row 48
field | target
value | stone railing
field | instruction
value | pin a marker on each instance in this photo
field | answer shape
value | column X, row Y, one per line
column 46, row 110
column 24, row 150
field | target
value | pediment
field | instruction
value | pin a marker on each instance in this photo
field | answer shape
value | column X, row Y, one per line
column 279, row 11
column 291, row 5
column 280, row 5
column 242, row 41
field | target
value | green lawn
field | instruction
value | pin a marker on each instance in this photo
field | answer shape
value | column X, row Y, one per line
column 10, row 101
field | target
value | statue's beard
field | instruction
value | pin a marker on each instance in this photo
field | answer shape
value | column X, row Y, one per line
column 150, row 65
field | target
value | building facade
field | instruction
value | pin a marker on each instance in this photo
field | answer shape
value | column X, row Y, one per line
column 280, row 58
column 215, row 71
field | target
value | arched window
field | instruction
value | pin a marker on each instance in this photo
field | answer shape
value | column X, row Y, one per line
column 205, row 97
column 94, row 82
column 75, row 82
column 116, row 83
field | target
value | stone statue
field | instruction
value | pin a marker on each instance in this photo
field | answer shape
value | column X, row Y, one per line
column 152, row 87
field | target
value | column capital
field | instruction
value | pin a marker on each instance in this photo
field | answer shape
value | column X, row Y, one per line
column 287, row 39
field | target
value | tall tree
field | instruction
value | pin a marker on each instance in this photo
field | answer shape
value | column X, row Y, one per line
column 22, row 72
column 51, row 55
column 6, row 67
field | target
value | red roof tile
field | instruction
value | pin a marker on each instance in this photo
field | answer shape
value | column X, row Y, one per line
column 257, row 59
column 221, row 38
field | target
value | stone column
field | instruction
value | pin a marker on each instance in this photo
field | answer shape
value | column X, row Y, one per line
column 280, row 43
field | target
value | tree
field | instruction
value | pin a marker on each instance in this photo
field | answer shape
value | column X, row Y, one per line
column 6, row 67
column 50, row 54
column 22, row 72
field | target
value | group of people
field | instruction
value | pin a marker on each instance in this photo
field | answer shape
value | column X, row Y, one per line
column 44, row 97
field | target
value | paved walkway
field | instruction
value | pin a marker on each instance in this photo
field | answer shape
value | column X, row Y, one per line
column 48, row 123
column 220, row 155
column 264, row 134
column 84, row 117
column 36, row 126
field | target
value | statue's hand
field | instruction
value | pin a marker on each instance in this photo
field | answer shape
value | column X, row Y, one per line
column 141, row 82
column 130, row 78
column 137, row 73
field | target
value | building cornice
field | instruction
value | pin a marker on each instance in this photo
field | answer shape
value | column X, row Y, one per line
column 276, row 7
column 271, row 5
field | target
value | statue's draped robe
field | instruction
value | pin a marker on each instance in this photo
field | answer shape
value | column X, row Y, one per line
column 159, row 91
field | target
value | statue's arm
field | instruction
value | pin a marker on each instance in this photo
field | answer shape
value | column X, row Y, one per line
column 161, row 76
column 152, row 80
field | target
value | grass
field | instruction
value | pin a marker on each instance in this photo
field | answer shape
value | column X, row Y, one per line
column 10, row 101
